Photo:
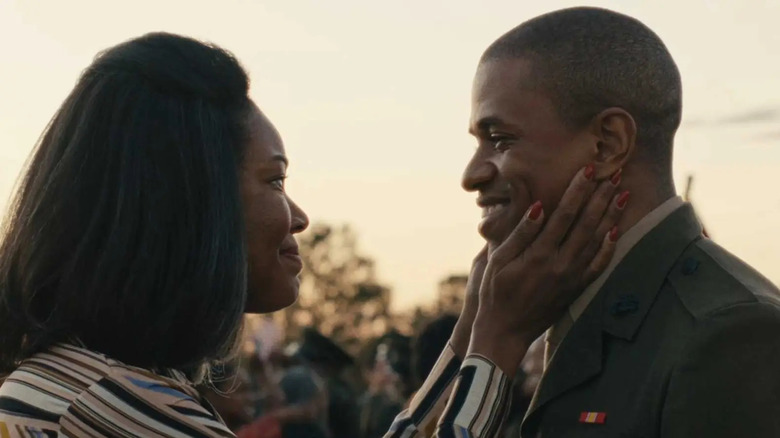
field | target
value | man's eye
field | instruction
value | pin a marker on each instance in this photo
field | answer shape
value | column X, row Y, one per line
column 500, row 142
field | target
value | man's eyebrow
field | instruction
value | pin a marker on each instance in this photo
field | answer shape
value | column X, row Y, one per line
column 485, row 123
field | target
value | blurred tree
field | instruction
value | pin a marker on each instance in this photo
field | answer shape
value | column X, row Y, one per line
column 419, row 318
column 452, row 290
column 449, row 300
column 687, row 198
column 340, row 294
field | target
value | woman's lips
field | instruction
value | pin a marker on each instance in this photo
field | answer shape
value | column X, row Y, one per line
column 292, row 257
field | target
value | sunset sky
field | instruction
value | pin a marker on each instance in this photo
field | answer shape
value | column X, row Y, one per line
column 372, row 100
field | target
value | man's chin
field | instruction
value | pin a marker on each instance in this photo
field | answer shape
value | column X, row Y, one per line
column 495, row 229
column 493, row 237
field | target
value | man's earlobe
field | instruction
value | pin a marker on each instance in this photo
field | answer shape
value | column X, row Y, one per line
column 616, row 132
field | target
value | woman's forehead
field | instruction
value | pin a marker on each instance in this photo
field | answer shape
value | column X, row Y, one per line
column 265, row 143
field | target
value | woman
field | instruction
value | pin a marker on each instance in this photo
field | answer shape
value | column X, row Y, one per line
column 152, row 216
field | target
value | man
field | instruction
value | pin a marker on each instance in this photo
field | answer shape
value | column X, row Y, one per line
column 677, row 337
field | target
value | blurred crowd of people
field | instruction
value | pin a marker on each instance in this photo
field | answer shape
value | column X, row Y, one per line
column 314, row 388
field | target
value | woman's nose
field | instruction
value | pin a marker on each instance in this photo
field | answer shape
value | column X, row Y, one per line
column 299, row 219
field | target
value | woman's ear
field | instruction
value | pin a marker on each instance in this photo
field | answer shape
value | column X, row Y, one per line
column 615, row 130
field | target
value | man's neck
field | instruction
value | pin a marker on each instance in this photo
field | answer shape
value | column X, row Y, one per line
column 644, row 198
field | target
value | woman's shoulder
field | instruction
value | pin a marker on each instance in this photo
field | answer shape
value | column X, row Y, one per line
column 74, row 390
column 142, row 403
column 35, row 395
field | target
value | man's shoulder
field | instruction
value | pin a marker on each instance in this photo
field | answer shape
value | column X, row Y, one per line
column 708, row 279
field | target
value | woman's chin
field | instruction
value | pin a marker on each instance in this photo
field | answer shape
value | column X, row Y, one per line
column 266, row 301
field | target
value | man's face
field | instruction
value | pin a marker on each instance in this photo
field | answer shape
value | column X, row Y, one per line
column 525, row 152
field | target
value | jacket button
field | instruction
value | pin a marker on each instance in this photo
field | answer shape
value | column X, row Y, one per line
column 689, row 266
column 624, row 304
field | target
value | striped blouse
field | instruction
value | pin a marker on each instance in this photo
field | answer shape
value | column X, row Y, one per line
column 464, row 400
column 70, row 391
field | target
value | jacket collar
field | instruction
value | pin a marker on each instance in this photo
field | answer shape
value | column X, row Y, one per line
column 618, row 309
column 631, row 289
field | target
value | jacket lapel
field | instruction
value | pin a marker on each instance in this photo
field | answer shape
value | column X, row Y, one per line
column 577, row 359
column 618, row 309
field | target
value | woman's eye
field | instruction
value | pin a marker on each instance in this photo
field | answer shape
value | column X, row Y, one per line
column 278, row 183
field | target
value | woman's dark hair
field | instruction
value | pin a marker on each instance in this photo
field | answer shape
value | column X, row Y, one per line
column 127, row 232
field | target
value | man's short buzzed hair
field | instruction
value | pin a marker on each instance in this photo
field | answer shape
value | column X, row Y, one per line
column 590, row 59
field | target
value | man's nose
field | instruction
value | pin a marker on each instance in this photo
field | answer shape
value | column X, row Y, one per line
column 479, row 172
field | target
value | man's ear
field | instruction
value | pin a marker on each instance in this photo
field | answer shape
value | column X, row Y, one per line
column 615, row 131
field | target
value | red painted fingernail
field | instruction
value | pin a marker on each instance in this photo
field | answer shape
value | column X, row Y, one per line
column 589, row 171
column 613, row 234
column 616, row 177
column 622, row 200
column 535, row 211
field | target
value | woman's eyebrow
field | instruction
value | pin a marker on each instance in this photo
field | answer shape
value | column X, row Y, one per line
column 282, row 158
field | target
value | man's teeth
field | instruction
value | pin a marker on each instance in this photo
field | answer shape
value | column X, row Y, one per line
column 493, row 208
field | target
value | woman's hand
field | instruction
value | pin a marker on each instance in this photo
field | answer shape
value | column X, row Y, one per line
column 461, row 334
column 535, row 274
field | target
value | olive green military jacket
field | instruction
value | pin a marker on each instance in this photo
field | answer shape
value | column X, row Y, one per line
column 683, row 340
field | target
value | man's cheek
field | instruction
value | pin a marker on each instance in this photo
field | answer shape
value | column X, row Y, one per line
column 507, row 223
column 549, row 189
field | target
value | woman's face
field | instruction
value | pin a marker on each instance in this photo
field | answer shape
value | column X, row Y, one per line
column 271, row 219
